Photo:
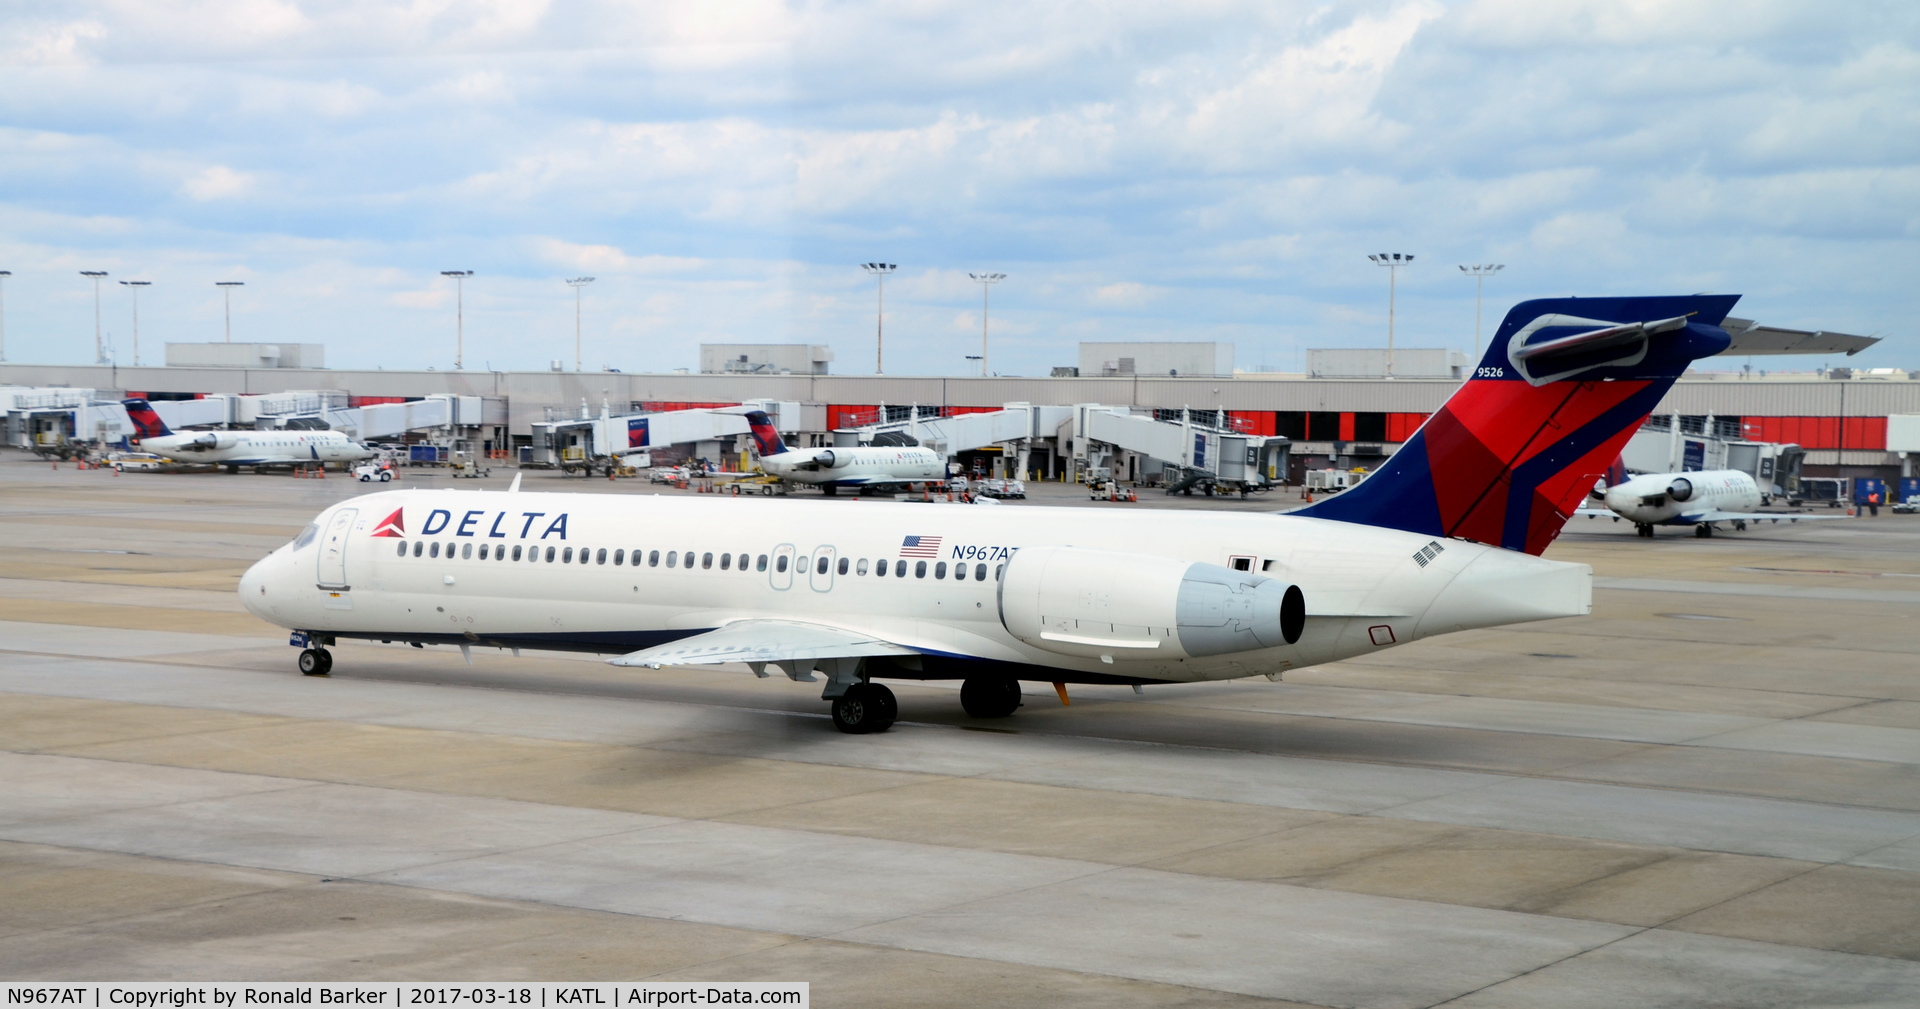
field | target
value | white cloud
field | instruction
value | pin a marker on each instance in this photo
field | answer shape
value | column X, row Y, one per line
column 217, row 182
column 1214, row 169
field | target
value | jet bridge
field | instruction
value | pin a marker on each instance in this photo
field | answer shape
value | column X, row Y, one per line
column 1196, row 450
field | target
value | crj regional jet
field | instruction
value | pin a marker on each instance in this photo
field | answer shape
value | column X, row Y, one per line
column 1697, row 499
column 843, row 466
column 234, row 449
column 1446, row 536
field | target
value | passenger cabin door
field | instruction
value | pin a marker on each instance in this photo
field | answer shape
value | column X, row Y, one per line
column 782, row 573
column 333, row 549
column 823, row 561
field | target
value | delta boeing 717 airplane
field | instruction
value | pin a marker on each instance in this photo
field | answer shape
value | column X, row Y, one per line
column 1446, row 536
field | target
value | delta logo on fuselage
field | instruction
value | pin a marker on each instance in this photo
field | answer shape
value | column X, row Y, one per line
column 474, row 523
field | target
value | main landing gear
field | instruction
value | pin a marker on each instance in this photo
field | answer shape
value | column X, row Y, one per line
column 865, row 707
column 985, row 698
column 1703, row 531
column 1643, row 530
column 315, row 662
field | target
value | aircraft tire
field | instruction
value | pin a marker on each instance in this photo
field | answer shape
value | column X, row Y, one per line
column 827, row 489
column 989, row 698
column 315, row 662
column 864, row 708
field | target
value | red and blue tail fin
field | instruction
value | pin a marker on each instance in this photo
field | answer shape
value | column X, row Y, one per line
column 766, row 440
column 1563, row 386
column 145, row 420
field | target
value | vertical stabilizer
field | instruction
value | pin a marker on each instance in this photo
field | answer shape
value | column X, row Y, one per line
column 766, row 440
column 1563, row 386
column 145, row 420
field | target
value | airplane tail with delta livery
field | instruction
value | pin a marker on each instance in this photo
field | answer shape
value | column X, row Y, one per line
column 1563, row 386
column 766, row 439
column 145, row 421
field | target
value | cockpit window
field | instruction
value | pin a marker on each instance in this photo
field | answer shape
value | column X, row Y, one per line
column 306, row 536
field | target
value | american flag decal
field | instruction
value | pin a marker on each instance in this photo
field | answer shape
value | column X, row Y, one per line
column 920, row 546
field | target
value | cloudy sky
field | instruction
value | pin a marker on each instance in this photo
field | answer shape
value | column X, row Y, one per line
column 1202, row 170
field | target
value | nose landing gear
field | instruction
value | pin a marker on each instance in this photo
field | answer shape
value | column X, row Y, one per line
column 315, row 662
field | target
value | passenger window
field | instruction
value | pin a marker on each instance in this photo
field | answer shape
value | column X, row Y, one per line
column 861, row 568
column 820, row 567
column 959, row 572
column 618, row 555
column 499, row 551
column 403, row 548
column 880, row 568
column 672, row 558
column 653, row 559
column 466, row 551
column 417, row 547
column 566, row 556
column 1242, row 564
column 600, row 557
column 1266, row 565
column 779, row 564
column 549, row 555
column 940, row 570
column 900, row 568
column 726, row 562
column 843, row 565
column 483, row 551
column 516, row 553
column 706, row 561
column 919, row 569
column 979, row 572
column 761, row 564
column 435, row 552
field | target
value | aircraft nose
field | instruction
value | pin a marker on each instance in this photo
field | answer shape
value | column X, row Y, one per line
column 253, row 589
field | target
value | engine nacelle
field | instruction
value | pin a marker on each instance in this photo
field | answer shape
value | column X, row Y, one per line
column 1680, row 489
column 825, row 459
column 1077, row 601
column 214, row 440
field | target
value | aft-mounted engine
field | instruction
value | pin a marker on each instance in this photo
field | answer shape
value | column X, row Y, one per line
column 1105, row 603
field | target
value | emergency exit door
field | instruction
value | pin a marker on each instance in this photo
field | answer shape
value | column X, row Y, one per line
column 333, row 549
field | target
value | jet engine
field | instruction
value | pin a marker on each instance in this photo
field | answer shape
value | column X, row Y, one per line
column 1078, row 601
column 213, row 440
column 825, row 459
column 1680, row 489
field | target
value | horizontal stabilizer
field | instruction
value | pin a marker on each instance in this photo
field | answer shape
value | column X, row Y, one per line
column 1750, row 338
column 763, row 641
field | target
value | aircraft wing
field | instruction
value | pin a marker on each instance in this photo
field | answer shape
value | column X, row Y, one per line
column 763, row 641
column 1719, row 516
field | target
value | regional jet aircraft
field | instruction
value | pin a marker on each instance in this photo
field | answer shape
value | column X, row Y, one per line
column 843, row 466
column 1697, row 499
column 234, row 449
column 1446, row 536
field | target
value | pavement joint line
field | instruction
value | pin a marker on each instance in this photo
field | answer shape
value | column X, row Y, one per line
column 1535, row 970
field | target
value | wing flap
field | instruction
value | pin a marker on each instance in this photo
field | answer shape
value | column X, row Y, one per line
column 763, row 641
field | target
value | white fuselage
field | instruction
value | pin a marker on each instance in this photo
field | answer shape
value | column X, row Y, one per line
column 1654, row 498
column 559, row 570
column 257, row 448
column 857, row 466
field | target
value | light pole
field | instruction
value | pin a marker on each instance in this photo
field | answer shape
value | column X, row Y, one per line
column 1393, row 261
column 986, row 282
column 1479, row 272
column 4, row 274
column 226, row 294
column 99, row 349
column 133, row 287
column 880, row 271
column 459, row 315
column 577, row 283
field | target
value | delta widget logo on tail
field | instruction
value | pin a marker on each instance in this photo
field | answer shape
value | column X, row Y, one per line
column 393, row 525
